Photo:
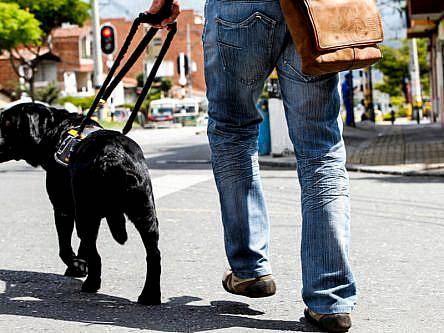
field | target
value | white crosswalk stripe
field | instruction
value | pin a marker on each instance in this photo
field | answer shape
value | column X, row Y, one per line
column 165, row 185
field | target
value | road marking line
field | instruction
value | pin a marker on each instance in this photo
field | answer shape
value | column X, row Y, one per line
column 216, row 211
column 183, row 162
column 166, row 185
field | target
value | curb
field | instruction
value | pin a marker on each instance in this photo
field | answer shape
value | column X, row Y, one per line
column 393, row 172
column 361, row 168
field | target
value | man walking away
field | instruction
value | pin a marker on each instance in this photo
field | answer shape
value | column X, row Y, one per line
column 243, row 42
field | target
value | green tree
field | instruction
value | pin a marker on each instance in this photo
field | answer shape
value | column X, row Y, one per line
column 395, row 67
column 51, row 14
column 17, row 27
column 165, row 85
column 140, row 80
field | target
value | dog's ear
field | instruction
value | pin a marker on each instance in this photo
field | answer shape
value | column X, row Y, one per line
column 34, row 127
column 37, row 118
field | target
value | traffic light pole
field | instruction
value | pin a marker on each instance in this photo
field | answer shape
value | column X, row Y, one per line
column 416, row 81
column 97, row 52
column 190, row 62
column 351, row 96
column 370, row 106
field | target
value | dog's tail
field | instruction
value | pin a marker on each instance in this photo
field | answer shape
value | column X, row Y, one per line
column 117, row 226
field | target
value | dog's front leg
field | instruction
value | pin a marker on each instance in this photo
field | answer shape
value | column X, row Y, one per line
column 149, row 232
column 65, row 225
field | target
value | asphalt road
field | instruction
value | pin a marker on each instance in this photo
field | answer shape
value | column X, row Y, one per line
column 397, row 254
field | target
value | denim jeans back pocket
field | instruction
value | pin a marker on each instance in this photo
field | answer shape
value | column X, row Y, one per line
column 245, row 47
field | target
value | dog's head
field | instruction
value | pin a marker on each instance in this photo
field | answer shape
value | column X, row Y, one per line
column 22, row 127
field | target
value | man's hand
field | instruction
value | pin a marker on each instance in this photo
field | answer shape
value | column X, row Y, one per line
column 157, row 5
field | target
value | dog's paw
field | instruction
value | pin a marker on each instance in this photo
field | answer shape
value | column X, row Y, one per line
column 149, row 300
column 91, row 286
column 78, row 268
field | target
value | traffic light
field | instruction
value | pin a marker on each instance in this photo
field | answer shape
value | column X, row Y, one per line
column 107, row 39
column 183, row 68
column 182, row 64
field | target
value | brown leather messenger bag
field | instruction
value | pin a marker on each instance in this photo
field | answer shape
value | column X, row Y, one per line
column 334, row 35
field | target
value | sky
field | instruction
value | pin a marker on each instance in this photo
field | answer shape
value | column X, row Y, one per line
column 115, row 8
column 393, row 23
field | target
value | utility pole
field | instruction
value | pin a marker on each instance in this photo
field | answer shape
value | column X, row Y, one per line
column 416, row 82
column 369, row 93
column 351, row 97
column 190, row 62
column 97, row 51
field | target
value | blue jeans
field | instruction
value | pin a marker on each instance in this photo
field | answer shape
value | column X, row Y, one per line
column 243, row 42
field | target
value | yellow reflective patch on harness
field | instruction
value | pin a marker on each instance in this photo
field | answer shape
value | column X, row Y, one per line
column 71, row 139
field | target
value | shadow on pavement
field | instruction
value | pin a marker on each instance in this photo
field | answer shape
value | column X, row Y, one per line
column 52, row 296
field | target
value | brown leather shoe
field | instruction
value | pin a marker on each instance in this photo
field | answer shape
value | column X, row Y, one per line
column 262, row 286
column 336, row 322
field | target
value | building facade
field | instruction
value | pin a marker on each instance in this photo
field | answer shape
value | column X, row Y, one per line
column 426, row 20
column 71, row 45
column 188, row 41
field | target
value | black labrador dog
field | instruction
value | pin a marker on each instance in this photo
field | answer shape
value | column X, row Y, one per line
column 107, row 177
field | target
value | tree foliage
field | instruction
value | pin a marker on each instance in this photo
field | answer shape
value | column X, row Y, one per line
column 166, row 85
column 395, row 67
column 52, row 13
column 17, row 27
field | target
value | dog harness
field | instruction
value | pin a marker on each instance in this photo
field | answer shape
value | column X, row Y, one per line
column 73, row 136
column 70, row 141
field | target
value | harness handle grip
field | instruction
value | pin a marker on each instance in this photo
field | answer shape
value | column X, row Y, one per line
column 156, row 19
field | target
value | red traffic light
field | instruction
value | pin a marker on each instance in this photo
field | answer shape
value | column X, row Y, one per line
column 107, row 39
column 107, row 32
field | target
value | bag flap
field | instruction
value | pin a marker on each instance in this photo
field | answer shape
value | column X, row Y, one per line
column 343, row 23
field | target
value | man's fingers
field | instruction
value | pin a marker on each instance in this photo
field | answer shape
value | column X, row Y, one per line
column 175, row 10
column 167, row 21
column 157, row 6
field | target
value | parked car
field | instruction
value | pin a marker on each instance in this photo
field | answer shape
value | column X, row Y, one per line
column 121, row 115
column 22, row 100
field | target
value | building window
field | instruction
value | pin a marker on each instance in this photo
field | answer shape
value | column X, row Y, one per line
column 46, row 72
column 86, row 46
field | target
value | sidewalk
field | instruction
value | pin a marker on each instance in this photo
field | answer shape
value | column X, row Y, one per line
column 404, row 149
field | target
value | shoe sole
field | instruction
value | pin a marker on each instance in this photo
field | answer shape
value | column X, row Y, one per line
column 259, row 289
column 316, row 323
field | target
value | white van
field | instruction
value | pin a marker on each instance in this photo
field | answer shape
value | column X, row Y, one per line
column 182, row 111
column 162, row 109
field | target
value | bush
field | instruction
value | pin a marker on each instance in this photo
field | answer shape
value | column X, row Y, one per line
column 128, row 106
column 48, row 94
column 398, row 103
column 402, row 112
column 83, row 102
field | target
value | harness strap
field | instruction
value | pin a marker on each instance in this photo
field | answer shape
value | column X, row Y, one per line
column 130, row 62
column 110, row 84
column 150, row 79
